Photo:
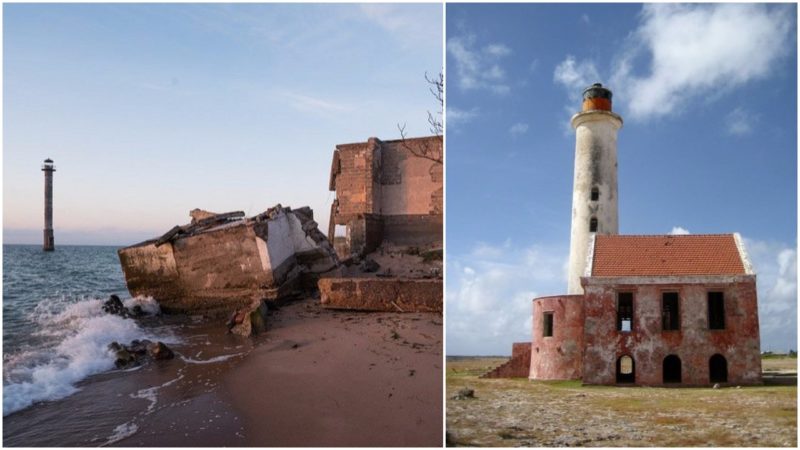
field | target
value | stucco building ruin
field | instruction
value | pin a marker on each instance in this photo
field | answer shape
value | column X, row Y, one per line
column 386, row 191
column 645, row 310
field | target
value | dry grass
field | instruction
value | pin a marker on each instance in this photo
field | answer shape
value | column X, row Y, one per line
column 519, row 412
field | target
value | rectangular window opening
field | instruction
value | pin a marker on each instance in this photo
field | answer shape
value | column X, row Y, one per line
column 625, row 311
column 547, row 324
column 670, row 314
column 716, row 311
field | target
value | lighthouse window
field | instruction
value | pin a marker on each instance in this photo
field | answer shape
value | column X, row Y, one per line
column 595, row 194
column 593, row 224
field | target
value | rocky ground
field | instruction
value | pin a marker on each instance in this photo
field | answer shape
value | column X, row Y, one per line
column 519, row 412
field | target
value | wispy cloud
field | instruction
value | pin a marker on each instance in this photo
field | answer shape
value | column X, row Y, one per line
column 457, row 117
column 739, row 122
column 414, row 24
column 575, row 76
column 307, row 103
column 479, row 67
column 518, row 129
column 698, row 50
column 585, row 19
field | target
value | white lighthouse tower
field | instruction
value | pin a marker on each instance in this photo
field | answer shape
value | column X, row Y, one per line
column 594, row 192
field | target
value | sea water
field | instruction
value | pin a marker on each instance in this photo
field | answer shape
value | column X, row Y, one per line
column 58, row 373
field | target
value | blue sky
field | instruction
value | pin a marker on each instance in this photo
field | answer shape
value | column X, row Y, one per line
column 152, row 110
column 708, row 94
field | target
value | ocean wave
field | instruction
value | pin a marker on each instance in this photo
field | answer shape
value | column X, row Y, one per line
column 80, row 333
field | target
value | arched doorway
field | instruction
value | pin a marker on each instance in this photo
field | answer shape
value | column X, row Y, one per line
column 718, row 369
column 672, row 369
column 626, row 370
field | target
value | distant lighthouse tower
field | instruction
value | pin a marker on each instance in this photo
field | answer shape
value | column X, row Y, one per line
column 594, row 192
column 49, row 241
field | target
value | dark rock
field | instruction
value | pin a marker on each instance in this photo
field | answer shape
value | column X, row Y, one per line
column 114, row 306
column 137, row 311
column 115, row 346
column 464, row 394
column 139, row 347
column 159, row 351
column 125, row 359
column 369, row 265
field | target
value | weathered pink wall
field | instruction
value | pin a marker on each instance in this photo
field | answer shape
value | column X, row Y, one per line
column 694, row 343
column 558, row 357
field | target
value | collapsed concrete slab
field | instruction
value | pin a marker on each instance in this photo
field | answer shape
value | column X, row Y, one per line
column 381, row 294
column 222, row 262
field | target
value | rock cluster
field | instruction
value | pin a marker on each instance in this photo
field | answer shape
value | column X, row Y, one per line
column 114, row 306
column 139, row 352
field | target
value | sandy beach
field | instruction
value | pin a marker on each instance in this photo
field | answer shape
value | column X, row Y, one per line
column 334, row 378
column 318, row 378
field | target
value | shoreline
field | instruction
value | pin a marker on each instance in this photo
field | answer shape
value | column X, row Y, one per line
column 319, row 378
column 315, row 378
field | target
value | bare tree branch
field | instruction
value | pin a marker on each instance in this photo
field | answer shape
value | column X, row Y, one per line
column 427, row 149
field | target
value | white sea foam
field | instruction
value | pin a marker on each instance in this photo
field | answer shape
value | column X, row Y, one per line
column 147, row 304
column 79, row 348
column 121, row 432
column 209, row 360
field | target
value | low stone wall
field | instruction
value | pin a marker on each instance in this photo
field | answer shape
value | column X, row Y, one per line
column 381, row 294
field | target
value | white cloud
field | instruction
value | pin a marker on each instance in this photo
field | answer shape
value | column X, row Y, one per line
column 775, row 265
column 478, row 68
column 740, row 122
column 575, row 76
column 489, row 293
column 457, row 117
column 679, row 230
column 696, row 51
column 585, row 19
column 518, row 129
column 497, row 50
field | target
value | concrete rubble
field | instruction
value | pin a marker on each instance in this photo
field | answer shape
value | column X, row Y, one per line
column 220, row 263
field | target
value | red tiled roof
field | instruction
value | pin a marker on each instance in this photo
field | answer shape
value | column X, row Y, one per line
column 697, row 254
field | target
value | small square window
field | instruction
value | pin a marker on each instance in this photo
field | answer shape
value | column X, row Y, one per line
column 595, row 194
column 593, row 224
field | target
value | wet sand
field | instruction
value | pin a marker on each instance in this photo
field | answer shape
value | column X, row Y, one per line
column 335, row 378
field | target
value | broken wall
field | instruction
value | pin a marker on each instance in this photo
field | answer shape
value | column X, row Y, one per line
column 386, row 192
column 694, row 343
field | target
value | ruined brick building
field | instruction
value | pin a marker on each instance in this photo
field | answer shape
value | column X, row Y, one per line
column 644, row 310
column 386, row 191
